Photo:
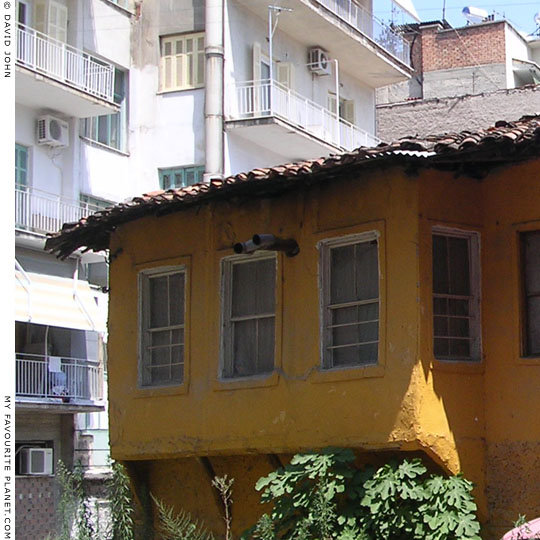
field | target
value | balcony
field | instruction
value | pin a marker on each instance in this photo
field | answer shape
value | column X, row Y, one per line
column 41, row 212
column 269, row 113
column 47, row 380
column 55, row 75
column 365, row 47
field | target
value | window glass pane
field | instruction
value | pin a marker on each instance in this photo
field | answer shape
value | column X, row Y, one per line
column 440, row 265
column 190, row 177
column 189, row 45
column 244, row 348
column 179, row 46
column 167, row 48
column 176, row 299
column 532, row 262
column 367, row 271
column 533, row 337
column 265, row 345
column 159, row 316
column 342, row 272
column 458, row 253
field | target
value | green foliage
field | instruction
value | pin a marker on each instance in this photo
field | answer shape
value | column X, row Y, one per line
column 121, row 504
column 179, row 526
column 68, row 503
column 322, row 496
column 76, row 519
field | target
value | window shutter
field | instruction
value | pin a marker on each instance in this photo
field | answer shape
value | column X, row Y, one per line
column 57, row 23
column 40, row 16
column 256, row 61
column 284, row 74
column 348, row 111
column 332, row 104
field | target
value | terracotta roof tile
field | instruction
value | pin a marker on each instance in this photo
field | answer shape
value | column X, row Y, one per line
column 502, row 143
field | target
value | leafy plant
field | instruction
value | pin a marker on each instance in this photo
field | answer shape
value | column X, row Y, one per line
column 121, row 504
column 179, row 526
column 323, row 496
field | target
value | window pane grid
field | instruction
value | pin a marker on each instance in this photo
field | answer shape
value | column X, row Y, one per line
column 351, row 289
column 455, row 295
column 163, row 315
column 249, row 317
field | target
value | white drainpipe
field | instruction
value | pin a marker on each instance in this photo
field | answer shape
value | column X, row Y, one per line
column 213, row 106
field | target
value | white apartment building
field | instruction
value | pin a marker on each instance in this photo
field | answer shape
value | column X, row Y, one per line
column 71, row 158
column 206, row 100
column 115, row 98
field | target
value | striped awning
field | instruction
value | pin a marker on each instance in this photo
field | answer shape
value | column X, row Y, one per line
column 55, row 301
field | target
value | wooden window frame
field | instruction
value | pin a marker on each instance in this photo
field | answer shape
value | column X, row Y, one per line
column 198, row 80
column 526, row 351
column 474, row 298
column 227, row 360
column 145, row 329
column 325, row 247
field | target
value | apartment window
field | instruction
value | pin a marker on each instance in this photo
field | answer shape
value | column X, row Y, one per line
column 456, row 290
column 21, row 167
column 162, row 326
column 178, row 177
column 350, row 301
column 110, row 129
column 530, row 248
column 182, row 62
column 346, row 108
column 91, row 204
column 249, row 315
column 51, row 19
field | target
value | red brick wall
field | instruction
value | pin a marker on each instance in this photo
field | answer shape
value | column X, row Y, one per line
column 467, row 46
column 35, row 507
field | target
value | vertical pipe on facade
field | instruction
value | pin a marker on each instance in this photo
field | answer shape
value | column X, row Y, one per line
column 213, row 106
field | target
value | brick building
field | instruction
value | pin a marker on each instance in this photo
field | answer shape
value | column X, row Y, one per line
column 481, row 63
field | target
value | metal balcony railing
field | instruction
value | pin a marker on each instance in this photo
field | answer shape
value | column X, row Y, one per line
column 42, row 212
column 265, row 98
column 361, row 19
column 69, row 379
column 64, row 63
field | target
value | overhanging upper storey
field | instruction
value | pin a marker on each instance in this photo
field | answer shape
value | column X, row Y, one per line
column 349, row 32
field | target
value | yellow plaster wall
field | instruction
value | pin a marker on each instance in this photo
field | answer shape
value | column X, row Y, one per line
column 512, row 381
column 491, row 416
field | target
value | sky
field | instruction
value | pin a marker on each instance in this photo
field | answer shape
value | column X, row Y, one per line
column 518, row 12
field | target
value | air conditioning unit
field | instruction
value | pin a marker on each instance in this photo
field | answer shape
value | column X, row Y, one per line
column 52, row 131
column 38, row 461
column 318, row 61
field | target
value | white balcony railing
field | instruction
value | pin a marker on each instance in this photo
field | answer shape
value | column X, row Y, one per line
column 361, row 19
column 64, row 63
column 42, row 212
column 68, row 379
column 256, row 99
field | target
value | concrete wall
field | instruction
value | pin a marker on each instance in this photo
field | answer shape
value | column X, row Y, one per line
column 464, row 80
column 455, row 114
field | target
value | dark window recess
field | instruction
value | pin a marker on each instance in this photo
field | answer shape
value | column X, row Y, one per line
column 531, row 301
